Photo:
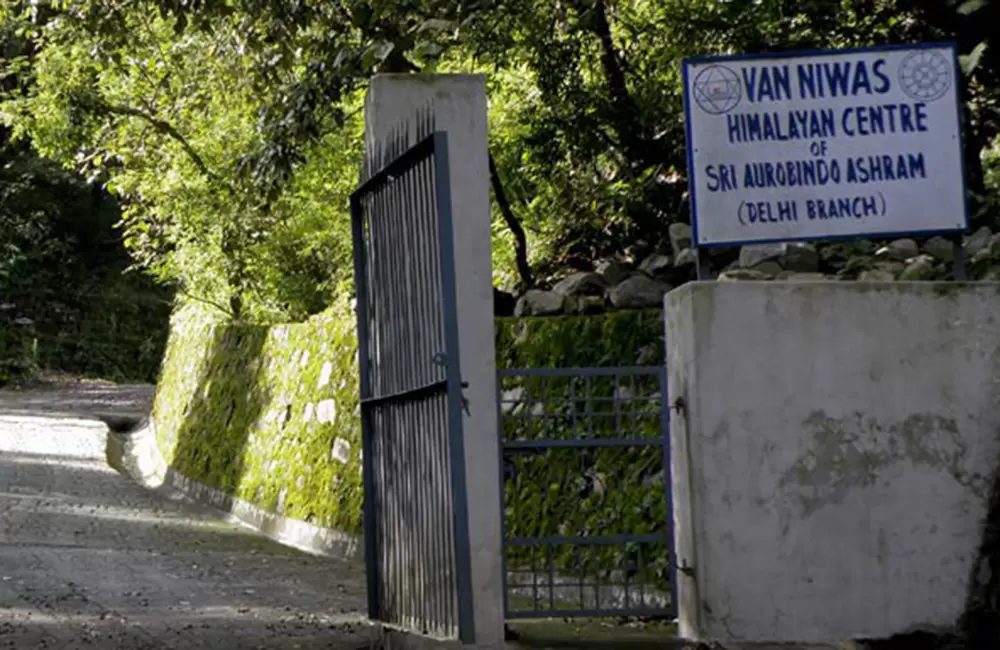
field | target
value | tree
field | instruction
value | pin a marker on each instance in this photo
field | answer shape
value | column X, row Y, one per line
column 230, row 129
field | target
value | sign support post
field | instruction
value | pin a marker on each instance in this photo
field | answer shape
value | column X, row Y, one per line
column 958, row 261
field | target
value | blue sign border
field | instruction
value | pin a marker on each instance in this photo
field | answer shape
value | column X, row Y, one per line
column 695, row 60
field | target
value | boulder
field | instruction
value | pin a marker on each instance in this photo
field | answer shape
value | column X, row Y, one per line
column 686, row 257
column 919, row 268
column 585, row 283
column 753, row 254
column 770, row 268
column 900, row 250
column 800, row 257
column 982, row 255
column 989, row 251
column 877, row 275
column 807, row 277
column 940, row 249
column 680, row 237
column 583, row 305
column 741, row 274
column 611, row 271
column 536, row 302
column 977, row 241
column 656, row 264
column 637, row 292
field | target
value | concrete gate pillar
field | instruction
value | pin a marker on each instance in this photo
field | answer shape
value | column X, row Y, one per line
column 404, row 106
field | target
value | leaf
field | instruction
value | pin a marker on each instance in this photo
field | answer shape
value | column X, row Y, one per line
column 970, row 61
column 435, row 25
column 971, row 6
column 383, row 50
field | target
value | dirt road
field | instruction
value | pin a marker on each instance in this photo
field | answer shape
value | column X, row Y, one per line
column 88, row 559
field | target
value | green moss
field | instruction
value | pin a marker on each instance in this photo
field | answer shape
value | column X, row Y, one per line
column 239, row 408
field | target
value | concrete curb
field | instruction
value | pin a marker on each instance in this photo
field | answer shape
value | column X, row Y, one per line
column 137, row 455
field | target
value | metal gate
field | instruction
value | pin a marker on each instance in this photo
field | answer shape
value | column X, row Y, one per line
column 588, row 525
column 415, row 519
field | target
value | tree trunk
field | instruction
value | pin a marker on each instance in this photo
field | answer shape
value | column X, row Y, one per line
column 625, row 114
column 514, row 224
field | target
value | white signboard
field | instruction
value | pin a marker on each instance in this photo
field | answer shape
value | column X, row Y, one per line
column 826, row 145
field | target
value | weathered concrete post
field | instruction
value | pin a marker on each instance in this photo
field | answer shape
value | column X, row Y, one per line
column 398, row 106
column 834, row 457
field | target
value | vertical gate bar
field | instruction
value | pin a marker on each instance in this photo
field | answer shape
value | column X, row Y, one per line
column 368, row 204
column 642, row 580
column 391, row 410
column 463, row 562
column 441, row 586
column 550, row 558
column 429, row 286
column 503, row 495
column 383, row 306
column 420, row 363
column 450, row 567
column 375, row 284
column 400, row 411
column 393, row 287
column 375, row 416
column 445, row 588
column 367, row 474
column 397, row 411
column 437, row 304
column 380, row 368
column 668, row 490
column 409, row 251
column 414, row 422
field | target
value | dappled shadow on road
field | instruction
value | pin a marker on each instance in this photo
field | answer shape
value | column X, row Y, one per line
column 89, row 559
column 78, row 399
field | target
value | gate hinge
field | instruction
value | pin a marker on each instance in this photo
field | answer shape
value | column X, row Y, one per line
column 441, row 359
column 686, row 570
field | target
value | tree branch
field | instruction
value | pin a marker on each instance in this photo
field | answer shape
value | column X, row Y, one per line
column 516, row 229
column 206, row 301
column 627, row 124
column 167, row 129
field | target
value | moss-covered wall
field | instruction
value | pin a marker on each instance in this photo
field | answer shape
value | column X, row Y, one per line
column 271, row 415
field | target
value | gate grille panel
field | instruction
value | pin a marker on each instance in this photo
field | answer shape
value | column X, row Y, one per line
column 587, row 500
column 415, row 520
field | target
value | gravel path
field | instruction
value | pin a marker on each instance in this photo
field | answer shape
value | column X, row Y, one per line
column 88, row 559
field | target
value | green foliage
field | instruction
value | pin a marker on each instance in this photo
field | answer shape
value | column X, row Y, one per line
column 231, row 131
column 64, row 303
column 625, row 338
